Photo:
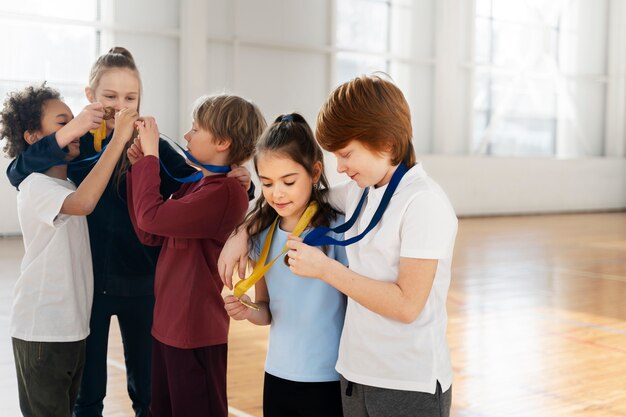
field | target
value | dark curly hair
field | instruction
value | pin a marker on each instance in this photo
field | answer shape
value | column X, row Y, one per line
column 21, row 113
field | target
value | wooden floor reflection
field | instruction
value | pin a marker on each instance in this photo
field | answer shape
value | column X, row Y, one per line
column 537, row 323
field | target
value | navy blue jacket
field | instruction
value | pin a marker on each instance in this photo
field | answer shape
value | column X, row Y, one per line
column 122, row 265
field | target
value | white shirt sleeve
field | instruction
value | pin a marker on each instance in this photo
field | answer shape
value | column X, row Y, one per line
column 428, row 228
column 337, row 196
column 45, row 197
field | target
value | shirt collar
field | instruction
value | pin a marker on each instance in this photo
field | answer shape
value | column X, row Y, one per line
column 415, row 173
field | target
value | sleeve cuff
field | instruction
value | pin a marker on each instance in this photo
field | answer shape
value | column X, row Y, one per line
column 53, row 146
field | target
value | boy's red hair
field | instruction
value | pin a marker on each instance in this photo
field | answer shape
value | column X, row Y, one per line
column 371, row 110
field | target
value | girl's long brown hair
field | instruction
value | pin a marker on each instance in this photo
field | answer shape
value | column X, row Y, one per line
column 291, row 136
column 117, row 57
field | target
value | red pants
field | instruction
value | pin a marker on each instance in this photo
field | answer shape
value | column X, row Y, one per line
column 188, row 382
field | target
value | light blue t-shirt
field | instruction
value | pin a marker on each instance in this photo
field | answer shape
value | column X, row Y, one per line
column 307, row 316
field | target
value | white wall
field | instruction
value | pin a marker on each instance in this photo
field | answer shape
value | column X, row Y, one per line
column 479, row 186
column 9, row 224
column 281, row 55
column 149, row 30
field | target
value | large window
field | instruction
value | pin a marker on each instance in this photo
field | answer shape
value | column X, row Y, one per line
column 395, row 37
column 362, row 37
column 52, row 41
column 539, row 79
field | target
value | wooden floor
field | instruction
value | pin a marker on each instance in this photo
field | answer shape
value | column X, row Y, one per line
column 537, row 323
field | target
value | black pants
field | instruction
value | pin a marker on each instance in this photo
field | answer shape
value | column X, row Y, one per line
column 284, row 398
column 48, row 376
column 134, row 315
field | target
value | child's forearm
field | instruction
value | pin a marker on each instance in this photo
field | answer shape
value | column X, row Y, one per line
column 262, row 316
column 67, row 134
column 402, row 300
column 91, row 117
column 84, row 200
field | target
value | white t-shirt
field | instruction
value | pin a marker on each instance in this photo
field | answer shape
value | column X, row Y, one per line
column 418, row 223
column 53, row 295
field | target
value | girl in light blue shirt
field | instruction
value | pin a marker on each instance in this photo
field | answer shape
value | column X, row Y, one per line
column 305, row 316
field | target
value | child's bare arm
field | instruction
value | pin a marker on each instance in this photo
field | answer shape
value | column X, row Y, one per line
column 402, row 300
column 88, row 119
column 84, row 199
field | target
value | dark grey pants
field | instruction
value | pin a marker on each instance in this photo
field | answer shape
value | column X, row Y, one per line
column 48, row 376
column 365, row 401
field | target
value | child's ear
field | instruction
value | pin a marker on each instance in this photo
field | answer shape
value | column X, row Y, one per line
column 317, row 171
column 223, row 144
column 89, row 94
column 30, row 137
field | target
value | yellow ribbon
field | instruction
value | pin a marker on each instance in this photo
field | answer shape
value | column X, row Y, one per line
column 261, row 267
column 98, row 135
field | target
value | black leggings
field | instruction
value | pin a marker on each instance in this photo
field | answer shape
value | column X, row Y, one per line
column 286, row 398
column 134, row 315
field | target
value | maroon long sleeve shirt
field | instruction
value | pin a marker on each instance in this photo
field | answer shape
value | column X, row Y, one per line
column 192, row 228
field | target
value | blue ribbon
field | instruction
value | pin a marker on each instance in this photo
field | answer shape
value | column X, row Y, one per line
column 92, row 158
column 197, row 176
column 219, row 169
column 317, row 237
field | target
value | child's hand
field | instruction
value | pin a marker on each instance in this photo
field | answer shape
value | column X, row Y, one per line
column 124, row 124
column 241, row 174
column 134, row 152
column 88, row 119
column 304, row 260
column 149, row 136
column 234, row 252
column 235, row 309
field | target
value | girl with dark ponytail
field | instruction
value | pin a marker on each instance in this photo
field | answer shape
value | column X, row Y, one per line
column 305, row 316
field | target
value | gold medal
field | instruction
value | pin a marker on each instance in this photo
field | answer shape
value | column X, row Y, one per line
column 261, row 266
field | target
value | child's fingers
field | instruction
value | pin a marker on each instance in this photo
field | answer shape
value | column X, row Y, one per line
column 234, row 307
column 235, row 170
column 229, row 299
column 223, row 271
column 231, row 302
column 135, row 151
column 243, row 263
column 226, row 280
column 292, row 241
column 96, row 106
column 149, row 122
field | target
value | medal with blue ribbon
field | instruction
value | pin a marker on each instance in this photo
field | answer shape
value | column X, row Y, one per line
column 317, row 237
column 218, row 169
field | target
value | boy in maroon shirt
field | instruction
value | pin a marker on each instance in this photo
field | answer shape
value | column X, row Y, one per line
column 190, row 327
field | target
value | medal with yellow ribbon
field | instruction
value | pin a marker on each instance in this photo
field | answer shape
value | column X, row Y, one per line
column 100, row 133
column 261, row 266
